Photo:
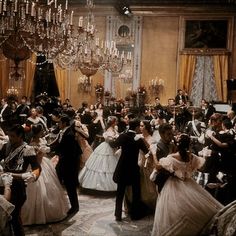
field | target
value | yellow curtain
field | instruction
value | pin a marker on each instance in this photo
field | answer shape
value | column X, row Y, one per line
column 186, row 72
column 61, row 77
column 29, row 74
column 4, row 68
column 221, row 75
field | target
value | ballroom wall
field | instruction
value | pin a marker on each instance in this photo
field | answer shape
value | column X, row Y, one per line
column 159, row 54
column 160, row 49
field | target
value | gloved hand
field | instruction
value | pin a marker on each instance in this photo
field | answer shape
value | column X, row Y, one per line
column 1, row 168
column 153, row 175
column 28, row 177
column 6, row 179
column 209, row 133
column 138, row 136
column 44, row 149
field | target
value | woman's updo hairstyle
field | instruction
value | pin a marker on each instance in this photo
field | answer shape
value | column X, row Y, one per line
column 147, row 126
column 183, row 147
column 111, row 120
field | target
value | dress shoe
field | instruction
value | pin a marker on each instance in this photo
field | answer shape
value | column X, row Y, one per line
column 72, row 211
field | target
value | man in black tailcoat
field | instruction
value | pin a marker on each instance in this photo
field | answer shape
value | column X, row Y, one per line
column 68, row 151
column 127, row 170
column 5, row 115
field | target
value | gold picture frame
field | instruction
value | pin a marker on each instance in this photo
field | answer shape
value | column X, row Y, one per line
column 206, row 34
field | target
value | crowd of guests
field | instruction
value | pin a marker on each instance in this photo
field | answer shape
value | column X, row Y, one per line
column 175, row 161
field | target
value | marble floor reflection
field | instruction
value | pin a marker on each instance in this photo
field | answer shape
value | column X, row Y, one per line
column 95, row 218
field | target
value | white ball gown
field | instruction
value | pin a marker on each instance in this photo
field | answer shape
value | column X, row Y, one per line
column 98, row 171
column 46, row 200
column 183, row 207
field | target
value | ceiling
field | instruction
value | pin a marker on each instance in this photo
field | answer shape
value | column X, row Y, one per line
column 154, row 2
column 152, row 7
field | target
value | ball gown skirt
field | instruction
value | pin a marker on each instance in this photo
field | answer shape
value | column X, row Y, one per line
column 148, row 188
column 183, row 208
column 98, row 171
column 87, row 151
column 46, row 200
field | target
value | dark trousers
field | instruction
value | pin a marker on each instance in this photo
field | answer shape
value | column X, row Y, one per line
column 71, row 189
column 68, row 175
column 18, row 197
column 137, row 208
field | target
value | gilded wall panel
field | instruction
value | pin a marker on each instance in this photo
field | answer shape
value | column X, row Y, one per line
column 159, row 55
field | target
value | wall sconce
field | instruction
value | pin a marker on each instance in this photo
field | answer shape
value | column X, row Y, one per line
column 156, row 86
column 84, row 84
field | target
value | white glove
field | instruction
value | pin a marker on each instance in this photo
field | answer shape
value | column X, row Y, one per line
column 1, row 169
column 206, row 152
column 171, row 121
column 138, row 136
column 153, row 175
column 6, row 179
column 209, row 133
column 44, row 149
column 220, row 176
column 28, row 177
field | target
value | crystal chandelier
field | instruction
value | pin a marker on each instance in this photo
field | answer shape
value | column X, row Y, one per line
column 86, row 52
column 34, row 26
column 89, row 56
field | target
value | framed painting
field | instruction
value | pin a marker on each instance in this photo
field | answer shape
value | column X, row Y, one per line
column 207, row 34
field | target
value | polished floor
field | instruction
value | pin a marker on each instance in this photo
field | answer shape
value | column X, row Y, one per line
column 95, row 218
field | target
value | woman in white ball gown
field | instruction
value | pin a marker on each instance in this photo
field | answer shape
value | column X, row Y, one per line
column 99, row 168
column 46, row 200
column 183, row 207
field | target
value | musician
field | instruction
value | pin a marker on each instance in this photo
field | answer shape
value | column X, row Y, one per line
column 207, row 109
column 158, row 107
column 169, row 109
column 181, row 97
column 195, row 128
column 232, row 116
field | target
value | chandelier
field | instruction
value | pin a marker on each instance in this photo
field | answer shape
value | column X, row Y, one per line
column 33, row 26
column 86, row 52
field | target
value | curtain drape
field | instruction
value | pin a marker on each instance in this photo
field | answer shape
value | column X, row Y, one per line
column 61, row 76
column 29, row 75
column 29, row 68
column 4, row 74
column 221, row 75
column 187, row 68
column 203, row 84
